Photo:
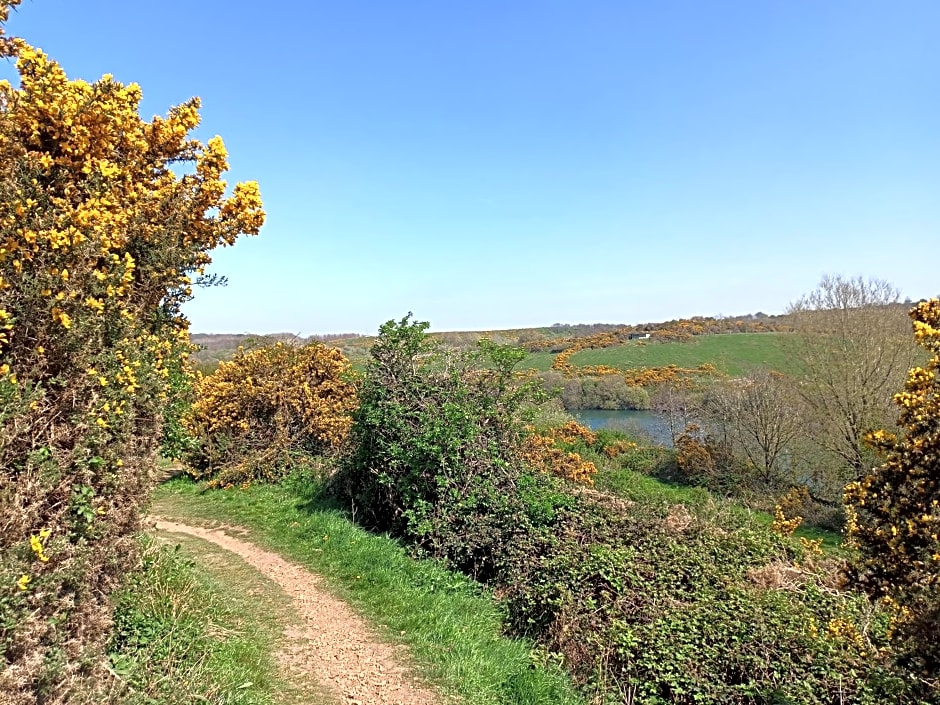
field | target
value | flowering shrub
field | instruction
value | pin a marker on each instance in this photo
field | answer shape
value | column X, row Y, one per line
column 894, row 512
column 268, row 408
column 99, row 245
column 787, row 518
column 616, row 448
column 694, row 457
column 573, row 432
column 542, row 454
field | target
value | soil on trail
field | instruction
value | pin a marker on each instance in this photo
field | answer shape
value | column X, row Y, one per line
column 335, row 647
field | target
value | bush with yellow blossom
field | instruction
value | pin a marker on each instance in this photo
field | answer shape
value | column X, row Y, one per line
column 541, row 453
column 100, row 242
column 894, row 512
column 270, row 408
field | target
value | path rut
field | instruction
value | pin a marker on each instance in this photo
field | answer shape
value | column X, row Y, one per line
column 336, row 647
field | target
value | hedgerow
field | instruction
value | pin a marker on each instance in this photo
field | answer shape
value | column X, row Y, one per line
column 100, row 243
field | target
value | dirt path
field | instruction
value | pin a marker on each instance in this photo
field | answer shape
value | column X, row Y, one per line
column 335, row 646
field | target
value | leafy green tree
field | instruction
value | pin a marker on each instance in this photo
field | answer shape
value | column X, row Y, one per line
column 436, row 447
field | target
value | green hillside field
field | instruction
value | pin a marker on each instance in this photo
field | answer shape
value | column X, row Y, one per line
column 732, row 353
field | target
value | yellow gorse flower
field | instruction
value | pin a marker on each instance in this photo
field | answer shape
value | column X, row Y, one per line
column 99, row 239
column 61, row 317
column 36, row 543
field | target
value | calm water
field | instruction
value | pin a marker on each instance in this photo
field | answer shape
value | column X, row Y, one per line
column 647, row 423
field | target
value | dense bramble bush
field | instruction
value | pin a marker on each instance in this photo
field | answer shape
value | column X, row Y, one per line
column 268, row 409
column 99, row 242
column 660, row 604
column 436, row 449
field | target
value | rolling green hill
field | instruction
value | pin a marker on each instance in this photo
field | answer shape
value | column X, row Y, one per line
column 732, row 353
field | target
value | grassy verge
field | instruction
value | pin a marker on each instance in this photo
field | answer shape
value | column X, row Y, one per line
column 452, row 628
column 732, row 353
column 181, row 635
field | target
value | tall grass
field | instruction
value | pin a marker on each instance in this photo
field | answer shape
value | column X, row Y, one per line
column 181, row 636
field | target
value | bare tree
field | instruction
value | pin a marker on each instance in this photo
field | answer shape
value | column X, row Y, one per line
column 759, row 417
column 677, row 407
column 851, row 347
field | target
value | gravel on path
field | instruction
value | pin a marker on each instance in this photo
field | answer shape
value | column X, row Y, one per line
column 334, row 646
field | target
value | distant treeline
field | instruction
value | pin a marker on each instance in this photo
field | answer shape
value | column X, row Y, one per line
column 607, row 392
column 213, row 348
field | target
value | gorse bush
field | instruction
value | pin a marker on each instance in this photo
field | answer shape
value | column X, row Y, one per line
column 436, row 449
column 894, row 511
column 99, row 245
column 704, row 460
column 542, row 453
column 566, row 450
column 271, row 407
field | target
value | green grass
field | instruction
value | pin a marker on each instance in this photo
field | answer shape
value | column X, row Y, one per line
column 183, row 635
column 452, row 627
column 732, row 353
column 540, row 361
column 637, row 486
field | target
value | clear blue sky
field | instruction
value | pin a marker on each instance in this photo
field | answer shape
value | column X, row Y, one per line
column 497, row 164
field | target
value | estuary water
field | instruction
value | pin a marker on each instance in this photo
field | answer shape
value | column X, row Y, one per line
column 642, row 423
